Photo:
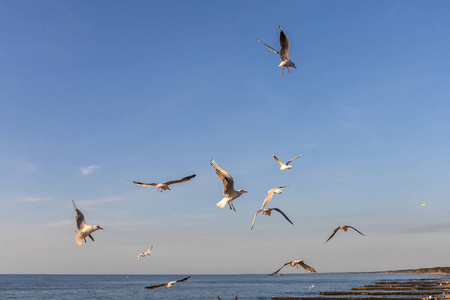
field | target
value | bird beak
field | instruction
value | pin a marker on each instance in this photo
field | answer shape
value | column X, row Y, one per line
column 100, row 228
column 244, row 191
column 295, row 67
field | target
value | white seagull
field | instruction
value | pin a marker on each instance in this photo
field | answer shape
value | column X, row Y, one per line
column 145, row 253
column 228, row 187
column 283, row 165
column 283, row 53
column 168, row 284
column 83, row 229
column 345, row 228
column 295, row 263
column 270, row 193
column 165, row 186
column 268, row 212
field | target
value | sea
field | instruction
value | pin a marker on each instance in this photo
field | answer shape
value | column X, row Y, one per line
column 226, row 287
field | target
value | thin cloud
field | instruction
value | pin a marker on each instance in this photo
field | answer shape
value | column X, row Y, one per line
column 427, row 229
column 102, row 200
column 29, row 199
column 85, row 171
column 58, row 224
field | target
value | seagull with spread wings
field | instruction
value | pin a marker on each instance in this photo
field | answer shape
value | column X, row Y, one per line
column 270, row 193
column 283, row 165
column 83, row 230
column 168, row 284
column 145, row 253
column 283, row 53
column 295, row 263
column 345, row 228
column 165, row 186
column 228, row 187
column 268, row 212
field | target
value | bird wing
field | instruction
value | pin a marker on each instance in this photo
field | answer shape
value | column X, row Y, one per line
column 91, row 237
column 334, row 232
column 357, row 230
column 187, row 178
column 149, row 249
column 254, row 218
column 155, row 286
column 280, row 269
column 139, row 256
column 289, row 161
column 269, row 47
column 278, row 161
column 227, row 180
column 145, row 184
column 79, row 218
column 279, row 210
column 306, row 267
column 268, row 197
column 284, row 43
column 184, row 279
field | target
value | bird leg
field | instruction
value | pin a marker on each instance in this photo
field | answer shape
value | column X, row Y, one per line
column 84, row 239
column 288, row 70
column 282, row 71
column 229, row 205
column 233, row 206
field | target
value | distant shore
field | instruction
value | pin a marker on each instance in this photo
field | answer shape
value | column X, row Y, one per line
column 435, row 271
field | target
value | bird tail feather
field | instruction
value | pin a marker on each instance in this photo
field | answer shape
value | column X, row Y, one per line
column 222, row 203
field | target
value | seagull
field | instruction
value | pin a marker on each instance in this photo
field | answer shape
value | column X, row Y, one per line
column 169, row 284
column 311, row 286
column 295, row 263
column 83, row 229
column 267, row 212
column 146, row 253
column 165, row 186
column 283, row 165
column 228, row 187
column 283, row 53
column 270, row 193
column 345, row 228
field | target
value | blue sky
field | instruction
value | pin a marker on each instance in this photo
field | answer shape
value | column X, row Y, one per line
column 97, row 94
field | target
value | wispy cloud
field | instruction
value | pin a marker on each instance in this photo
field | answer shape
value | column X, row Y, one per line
column 89, row 169
column 29, row 199
column 102, row 200
column 58, row 224
column 427, row 229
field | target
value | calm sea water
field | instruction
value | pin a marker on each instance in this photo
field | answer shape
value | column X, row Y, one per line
column 197, row 287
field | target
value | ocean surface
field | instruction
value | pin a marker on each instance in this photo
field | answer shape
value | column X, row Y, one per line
column 197, row 287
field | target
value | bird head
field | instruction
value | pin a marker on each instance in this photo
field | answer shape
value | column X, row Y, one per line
column 242, row 191
column 98, row 227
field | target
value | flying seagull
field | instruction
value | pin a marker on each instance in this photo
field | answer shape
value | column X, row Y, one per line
column 344, row 228
column 267, row 212
column 165, row 186
column 283, row 165
column 83, row 229
column 270, row 193
column 228, row 187
column 283, row 53
column 169, row 284
column 295, row 263
column 145, row 253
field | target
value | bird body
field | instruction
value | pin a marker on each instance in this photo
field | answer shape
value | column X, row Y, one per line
column 284, row 52
column 165, row 185
column 295, row 263
column 83, row 230
column 168, row 284
column 228, row 187
column 145, row 253
column 268, row 212
column 284, row 166
column 344, row 228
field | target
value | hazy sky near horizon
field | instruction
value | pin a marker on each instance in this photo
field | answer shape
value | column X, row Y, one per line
column 96, row 94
